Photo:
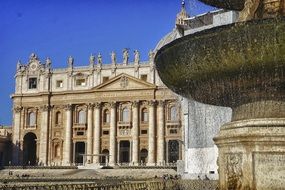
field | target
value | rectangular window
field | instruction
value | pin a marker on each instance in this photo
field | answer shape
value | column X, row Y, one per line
column 80, row 82
column 80, row 133
column 59, row 83
column 32, row 83
column 105, row 132
column 143, row 132
column 105, row 79
column 144, row 77
column 173, row 131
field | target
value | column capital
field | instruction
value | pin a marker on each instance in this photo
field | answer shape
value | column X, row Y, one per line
column 113, row 104
column 97, row 105
column 151, row 103
column 45, row 107
column 161, row 103
column 90, row 106
column 68, row 107
column 18, row 109
column 135, row 104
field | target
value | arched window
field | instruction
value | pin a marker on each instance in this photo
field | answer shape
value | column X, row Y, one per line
column 81, row 117
column 144, row 115
column 57, row 151
column 106, row 116
column 173, row 114
column 58, row 118
column 32, row 119
column 125, row 115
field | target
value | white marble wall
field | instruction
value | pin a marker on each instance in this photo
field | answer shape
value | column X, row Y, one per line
column 202, row 124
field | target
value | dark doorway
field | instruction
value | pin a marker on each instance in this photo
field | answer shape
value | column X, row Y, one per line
column 173, row 151
column 103, row 158
column 79, row 150
column 30, row 149
column 124, row 151
column 143, row 156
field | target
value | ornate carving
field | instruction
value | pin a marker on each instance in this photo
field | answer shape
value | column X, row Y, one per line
column 45, row 107
column 18, row 109
column 151, row 103
column 113, row 104
column 234, row 171
column 33, row 58
column 161, row 103
column 135, row 104
column 124, row 81
column 261, row 9
column 97, row 105
column 68, row 107
column 90, row 106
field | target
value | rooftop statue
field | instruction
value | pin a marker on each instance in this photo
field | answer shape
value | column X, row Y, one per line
column 91, row 59
column 125, row 56
column 48, row 62
column 137, row 56
column 99, row 58
column 33, row 57
column 113, row 57
column 70, row 61
column 151, row 55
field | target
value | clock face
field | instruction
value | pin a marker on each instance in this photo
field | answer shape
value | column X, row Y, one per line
column 33, row 66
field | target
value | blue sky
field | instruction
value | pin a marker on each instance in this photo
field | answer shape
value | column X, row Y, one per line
column 59, row 28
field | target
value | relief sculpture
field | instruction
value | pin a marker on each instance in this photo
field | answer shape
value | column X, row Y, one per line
column 234, row 171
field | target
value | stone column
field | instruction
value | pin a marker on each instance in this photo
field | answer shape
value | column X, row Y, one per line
column 90, row 132
column 160, row 133
column 112, row 160
column 97, row 127
column 68, row 136
column 151, row 134
column 135, row 133
column 16, row 134
column 43, row 152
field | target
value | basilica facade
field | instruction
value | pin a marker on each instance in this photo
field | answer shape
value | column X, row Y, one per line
column 100, row 113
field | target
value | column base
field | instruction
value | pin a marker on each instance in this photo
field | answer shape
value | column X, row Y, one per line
column 252, row 154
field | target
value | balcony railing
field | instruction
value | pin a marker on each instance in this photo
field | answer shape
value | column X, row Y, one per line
column 169, row 122
column 79, row 125
column 124, row 123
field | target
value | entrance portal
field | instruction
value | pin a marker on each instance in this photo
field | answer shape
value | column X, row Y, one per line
column 173, row 151
column 30, row 149
column 79, row 150
column 124, row 151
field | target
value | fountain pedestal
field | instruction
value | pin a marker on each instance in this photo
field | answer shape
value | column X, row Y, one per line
column 252, row 154
column 241, row 66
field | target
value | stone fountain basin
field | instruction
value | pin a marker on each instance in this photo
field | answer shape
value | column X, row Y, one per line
column 229, row 65
column 226, row 4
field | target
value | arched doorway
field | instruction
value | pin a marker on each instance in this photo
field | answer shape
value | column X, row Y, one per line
column 30, row 149
column 124, row 151
column 79, row 151
column 103, row 158
column 173, row 151
column 143, row 156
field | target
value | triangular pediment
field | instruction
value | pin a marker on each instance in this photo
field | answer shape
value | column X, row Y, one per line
column 124, row 82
